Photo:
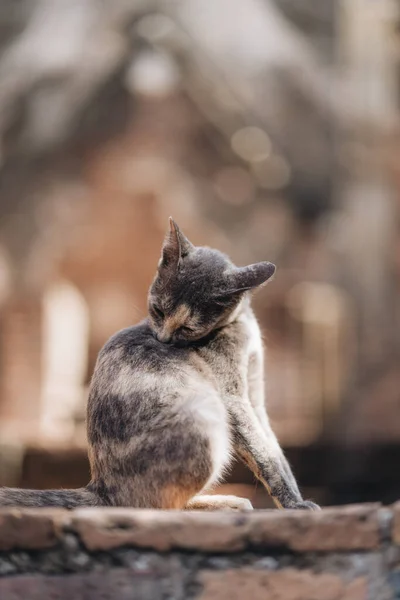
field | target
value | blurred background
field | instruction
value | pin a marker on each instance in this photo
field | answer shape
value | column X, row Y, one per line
column 266, row 128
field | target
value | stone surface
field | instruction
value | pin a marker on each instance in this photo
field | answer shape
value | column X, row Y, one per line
column 286, row 584
column 32, row 528
column 346, row 528
column 333, row 529
column 115, row 554
column 208, row 531
column 125, row 584
column 121, row 584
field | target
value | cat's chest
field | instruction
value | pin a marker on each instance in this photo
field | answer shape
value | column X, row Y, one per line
column 226, row 357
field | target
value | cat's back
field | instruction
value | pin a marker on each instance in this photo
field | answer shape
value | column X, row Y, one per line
column 144, row 392
column 134, row 364
column 137, row 348
column 135, row 375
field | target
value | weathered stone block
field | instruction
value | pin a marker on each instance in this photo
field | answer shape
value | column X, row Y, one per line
column 346, row 528
column 33, row 528
column 118, row 584
column 286, row 584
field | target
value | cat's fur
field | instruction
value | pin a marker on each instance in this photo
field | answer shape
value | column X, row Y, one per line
column 175, row 397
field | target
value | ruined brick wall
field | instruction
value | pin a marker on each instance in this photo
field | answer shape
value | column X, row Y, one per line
column 352, row 553
column 92, row 165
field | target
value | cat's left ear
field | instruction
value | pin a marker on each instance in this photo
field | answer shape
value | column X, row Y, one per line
column 253, row 276
column 176, row 246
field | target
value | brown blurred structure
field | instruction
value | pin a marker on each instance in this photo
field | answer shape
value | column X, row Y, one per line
column 271, row 134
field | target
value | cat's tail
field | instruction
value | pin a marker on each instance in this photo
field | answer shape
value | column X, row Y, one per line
column 39, row 498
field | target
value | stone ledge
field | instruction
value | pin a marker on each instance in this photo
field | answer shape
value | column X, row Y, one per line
column 351, row 528
column 347, row 553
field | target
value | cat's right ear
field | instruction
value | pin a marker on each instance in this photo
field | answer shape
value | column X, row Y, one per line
column 243, row 279
column 176, row 246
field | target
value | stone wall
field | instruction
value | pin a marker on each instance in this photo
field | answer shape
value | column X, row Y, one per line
column 351, row 553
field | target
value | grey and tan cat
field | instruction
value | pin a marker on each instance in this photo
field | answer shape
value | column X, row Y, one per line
column 174, row 398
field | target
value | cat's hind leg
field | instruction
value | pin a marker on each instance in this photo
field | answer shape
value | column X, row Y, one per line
column 218, row 502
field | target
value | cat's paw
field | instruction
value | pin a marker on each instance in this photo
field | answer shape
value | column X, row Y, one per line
column 307, row 505
column 242, row 504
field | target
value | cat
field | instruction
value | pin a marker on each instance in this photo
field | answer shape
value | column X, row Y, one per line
column 174, row 398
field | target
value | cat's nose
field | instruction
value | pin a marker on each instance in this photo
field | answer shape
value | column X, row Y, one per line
column 164, row 337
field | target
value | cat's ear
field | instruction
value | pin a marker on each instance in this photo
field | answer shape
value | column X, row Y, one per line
column 242, row 279
column 176, row 246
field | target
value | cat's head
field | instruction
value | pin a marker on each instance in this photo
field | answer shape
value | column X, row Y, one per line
column 197, row 290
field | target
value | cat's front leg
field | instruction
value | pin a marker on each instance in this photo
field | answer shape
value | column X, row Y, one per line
column 256, row 390
column 264, row 456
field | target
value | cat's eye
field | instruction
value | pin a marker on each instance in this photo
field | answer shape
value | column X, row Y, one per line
column 184, row 329
column 158, row 311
